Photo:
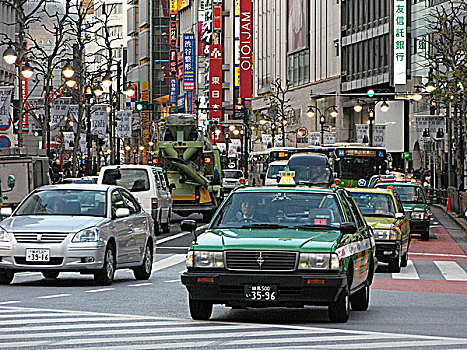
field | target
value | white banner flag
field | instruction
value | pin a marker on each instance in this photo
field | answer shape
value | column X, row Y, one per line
column 267, row 141
column 124, row 124
column 379, row 135
column 82, row 143
column 68, row 140
column 5, row 107
column 59, row 111
column 362, row 133
column 422, row 124
column 330, row 137
column 314, row 138
column 99, row 120
column 36, row 112
column 430, row 127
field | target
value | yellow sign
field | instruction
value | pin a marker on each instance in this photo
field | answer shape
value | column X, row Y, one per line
column 182, row 4
column 173, row 7
column 237, row 76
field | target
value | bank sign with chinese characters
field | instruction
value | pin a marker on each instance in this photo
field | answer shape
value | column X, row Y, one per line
column 400, row 42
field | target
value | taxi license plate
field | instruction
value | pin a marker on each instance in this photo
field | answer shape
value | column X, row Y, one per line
column 38, row 255
column 260, row 292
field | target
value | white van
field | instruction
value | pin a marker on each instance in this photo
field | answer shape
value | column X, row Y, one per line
column 273, row 170
column 148, row 184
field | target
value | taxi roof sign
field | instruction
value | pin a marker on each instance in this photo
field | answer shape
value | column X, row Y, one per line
column 287, row 177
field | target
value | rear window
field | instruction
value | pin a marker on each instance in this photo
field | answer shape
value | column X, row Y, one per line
column 233, row 174
column 134, row 180
column 274, row 170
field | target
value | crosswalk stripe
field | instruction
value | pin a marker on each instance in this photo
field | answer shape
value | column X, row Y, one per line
column 408, row 272
column 451, row 270
column 168, row 262
column 55, row 320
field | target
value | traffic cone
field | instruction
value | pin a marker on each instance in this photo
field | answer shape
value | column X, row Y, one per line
column 449, row 205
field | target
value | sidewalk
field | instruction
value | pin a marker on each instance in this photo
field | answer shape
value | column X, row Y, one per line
column 461, row 222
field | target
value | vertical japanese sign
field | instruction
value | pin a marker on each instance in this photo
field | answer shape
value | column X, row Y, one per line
column 25, row 96
column 400, row 42
column 173, row 91
column 188, row 62
column 246, row 48
column 215, row 82
column 205, row 20
column 173, row 34
column 173, row 7
column 217, row 17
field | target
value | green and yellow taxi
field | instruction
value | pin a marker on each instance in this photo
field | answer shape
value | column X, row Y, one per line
column 282, row 246
column 384, row 212
column 416, row 205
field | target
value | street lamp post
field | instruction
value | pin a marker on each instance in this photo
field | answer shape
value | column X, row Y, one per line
column 322, row 116
column 371, row 120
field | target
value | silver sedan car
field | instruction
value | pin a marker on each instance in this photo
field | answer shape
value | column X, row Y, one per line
column 86, row 228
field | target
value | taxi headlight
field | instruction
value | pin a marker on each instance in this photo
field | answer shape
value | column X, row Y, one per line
column 420, row 215
column 3, row 235
column 87, row 235
column 320, row 261
column 385, row 234
column 205, row 259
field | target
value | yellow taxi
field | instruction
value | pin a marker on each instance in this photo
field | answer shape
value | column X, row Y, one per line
column 384, row 212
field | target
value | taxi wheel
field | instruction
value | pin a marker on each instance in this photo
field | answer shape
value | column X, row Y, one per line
column 404, row 259
column 339, row 310
column 50, row 274
column 395, row 263
column 157, row 227
column 6, row 276
column 105, row 276
column 426, row 235
column 200, row 309
column 166, row 227
column 361, row 299
column 144, row 271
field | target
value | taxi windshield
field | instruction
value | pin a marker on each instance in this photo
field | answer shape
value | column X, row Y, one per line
column 280, row 210
column 408, row 194
column 375, row 204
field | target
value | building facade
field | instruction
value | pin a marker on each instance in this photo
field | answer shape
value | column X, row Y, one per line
column 7, row 72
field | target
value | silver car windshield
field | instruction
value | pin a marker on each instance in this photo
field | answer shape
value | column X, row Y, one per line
column 65, row 202
column 280, row 209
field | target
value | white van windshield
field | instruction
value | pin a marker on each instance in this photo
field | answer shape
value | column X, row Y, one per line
column 134, row 180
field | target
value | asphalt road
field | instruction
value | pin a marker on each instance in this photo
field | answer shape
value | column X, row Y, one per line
column 423, row 307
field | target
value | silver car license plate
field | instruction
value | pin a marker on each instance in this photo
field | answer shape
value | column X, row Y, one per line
column 38, row 255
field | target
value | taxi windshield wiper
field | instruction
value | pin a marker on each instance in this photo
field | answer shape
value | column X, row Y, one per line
column 263, row 225
column 317, row 227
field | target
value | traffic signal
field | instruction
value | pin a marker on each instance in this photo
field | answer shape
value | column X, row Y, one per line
column 37, row 133
column 370, row 93
column 143, row 106
column 208, row 122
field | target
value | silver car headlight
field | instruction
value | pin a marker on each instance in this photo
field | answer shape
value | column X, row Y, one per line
column 385, row 234
column 420, row 215
column 87, row 235
column 206, row 259
column 320, row 261
column 3, row 235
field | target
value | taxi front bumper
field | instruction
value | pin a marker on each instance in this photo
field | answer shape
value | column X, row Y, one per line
column 386, row 250
column 295, row 289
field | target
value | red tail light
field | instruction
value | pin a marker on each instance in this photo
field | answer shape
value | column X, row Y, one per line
column 207, row 160
column 154, row 203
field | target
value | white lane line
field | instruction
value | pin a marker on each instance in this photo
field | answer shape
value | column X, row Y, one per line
column 168, row 262
column 140, row 284
column 445, row 255
column 99, row 290
column 172, row 281
column 178, row 235
column 58, row 320
column 53, row 296
column 32, row 316
column 407, row 273
column 10, row 302
column 451, row 270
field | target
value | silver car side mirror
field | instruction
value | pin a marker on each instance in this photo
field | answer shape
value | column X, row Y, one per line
column 122, row 213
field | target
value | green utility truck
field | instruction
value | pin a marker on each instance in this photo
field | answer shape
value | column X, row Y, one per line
column 193, row 166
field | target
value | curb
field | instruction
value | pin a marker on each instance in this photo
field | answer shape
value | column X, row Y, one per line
column 462, row 223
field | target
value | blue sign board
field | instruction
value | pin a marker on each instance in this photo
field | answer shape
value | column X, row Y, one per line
column 189, row 102
column 381, row 154
column 341, row 153
column 173, row 91
column 188, row 62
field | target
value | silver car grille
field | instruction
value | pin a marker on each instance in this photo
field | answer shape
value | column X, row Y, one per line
column 40, row 237
column 261, row 260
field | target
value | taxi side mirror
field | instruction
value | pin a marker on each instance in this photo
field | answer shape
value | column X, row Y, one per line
column 189, row 225
column 400, row 216
column 348, row 228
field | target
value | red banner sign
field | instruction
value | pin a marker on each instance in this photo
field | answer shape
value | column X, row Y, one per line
column 173, row 34
column 246, row 48
column 173, row 63
column 215, row 85
column 217, row 17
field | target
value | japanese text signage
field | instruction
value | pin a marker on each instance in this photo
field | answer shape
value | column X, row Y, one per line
column 246, row 48
column 173, row 7
column 173, row 63
column 215, row 82
column 173, row 34
column 217, row 17
column 173, row 91
column 400, row 41
column 189, row 62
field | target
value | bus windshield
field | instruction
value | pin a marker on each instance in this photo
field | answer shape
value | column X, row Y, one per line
column 360, row 167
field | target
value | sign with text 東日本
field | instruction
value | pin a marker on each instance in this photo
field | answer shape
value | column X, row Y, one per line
column 188, row 62
column 246, row 48
column 400, row 42
column 215, row 81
